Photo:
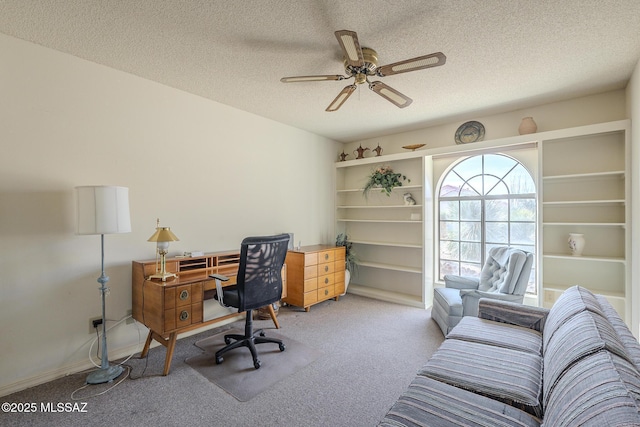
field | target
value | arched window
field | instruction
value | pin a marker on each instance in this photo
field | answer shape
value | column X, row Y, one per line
column 485, row 201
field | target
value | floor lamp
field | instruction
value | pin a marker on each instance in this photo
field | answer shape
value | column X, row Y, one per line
column 103, row 210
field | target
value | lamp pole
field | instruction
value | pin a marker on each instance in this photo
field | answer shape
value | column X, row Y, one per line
column 107, row 372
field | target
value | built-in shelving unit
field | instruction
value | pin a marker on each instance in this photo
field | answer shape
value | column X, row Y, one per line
column 585, row 188
column 583, row 185
column 387, row 234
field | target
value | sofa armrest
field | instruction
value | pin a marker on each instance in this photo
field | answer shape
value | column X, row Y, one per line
column 513, row 313
column 460, row 282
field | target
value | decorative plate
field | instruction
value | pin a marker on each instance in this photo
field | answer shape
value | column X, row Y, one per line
column 413, row 147
column 469, row 132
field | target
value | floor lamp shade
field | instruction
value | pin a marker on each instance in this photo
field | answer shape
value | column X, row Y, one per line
column 103, row 210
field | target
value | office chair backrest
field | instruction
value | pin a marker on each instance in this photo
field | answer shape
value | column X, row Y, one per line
column 259, row 277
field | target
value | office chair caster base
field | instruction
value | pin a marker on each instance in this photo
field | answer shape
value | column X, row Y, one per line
column 219, row 360
column 257, row 364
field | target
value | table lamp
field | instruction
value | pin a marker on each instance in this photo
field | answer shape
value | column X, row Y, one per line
column 103, row 210
column 162, row 237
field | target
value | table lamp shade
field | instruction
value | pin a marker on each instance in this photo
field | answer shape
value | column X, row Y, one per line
column 103, row 209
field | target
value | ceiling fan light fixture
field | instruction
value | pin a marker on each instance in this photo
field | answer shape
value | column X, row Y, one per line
column 362, row 63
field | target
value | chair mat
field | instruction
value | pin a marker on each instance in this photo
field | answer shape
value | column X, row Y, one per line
column 236, row 374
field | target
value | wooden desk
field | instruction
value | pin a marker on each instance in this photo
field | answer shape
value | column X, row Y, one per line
column 176, row 306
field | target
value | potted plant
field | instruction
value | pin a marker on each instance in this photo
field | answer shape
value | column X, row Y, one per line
column 350, row 259
column 385, row 178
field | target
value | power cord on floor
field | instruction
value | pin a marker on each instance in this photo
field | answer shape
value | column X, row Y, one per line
column 124, row 377
column 128, row 368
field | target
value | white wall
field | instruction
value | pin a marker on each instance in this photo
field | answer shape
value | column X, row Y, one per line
column 604, row 107
column 213, row 173
column 633, row 112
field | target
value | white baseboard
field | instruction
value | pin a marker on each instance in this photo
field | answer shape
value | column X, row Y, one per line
column 74, row 368
column 64, row 371
column 397, row 298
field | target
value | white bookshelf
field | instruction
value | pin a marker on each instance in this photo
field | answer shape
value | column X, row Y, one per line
column 387, row 241
column 585, row 188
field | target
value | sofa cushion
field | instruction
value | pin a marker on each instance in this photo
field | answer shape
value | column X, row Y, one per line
column 630, row 342
column 428, row 402
column 572, row 301
column 583, row 334
column 511, row 376
column 498, row 334
column 590, row 393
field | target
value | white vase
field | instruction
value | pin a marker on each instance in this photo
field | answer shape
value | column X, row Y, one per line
column 347, row 279
column 527, row 126
column 576, row 243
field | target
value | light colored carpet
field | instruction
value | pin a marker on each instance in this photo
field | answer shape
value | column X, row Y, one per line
column 236, row 374
column 371, row 350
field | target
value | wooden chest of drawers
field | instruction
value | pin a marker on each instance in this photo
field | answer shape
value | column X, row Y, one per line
column 314, row 274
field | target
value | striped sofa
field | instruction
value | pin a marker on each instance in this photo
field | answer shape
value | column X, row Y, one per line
column 576, row 364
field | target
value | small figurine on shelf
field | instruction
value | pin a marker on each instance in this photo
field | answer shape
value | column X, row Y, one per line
column 343, row 156
column 360, row 152
column 378, row 150
column 408, row 199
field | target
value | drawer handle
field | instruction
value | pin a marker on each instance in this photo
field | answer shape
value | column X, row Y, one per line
column 326, row 268
column 184, row 295
column 184, row 315
column 326, row 291
column 326, row 280
column 326, row 256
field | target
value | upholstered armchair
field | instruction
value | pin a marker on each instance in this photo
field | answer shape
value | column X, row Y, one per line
column 504, row 276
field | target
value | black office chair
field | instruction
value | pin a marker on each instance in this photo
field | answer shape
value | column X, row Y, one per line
column 259, row 283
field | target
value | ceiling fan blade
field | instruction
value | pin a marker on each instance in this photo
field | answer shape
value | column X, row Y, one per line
column 341, row 98
column 390, row 94
column 350, row 47
column 296, row 79
column 419, row 63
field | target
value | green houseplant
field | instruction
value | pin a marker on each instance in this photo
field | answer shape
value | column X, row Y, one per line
column 385, row 178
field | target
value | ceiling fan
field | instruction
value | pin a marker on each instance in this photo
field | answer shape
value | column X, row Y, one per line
column 362, row 63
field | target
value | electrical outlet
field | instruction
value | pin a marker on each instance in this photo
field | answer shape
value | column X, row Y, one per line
column 130, row 317
column 94, row 323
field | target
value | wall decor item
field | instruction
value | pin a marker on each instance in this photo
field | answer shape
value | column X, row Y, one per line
column 343, row 156
column 360, row 152
column 413, row 147
column 378, row 150
column 469, row 132
column 408, row 199
column 527, row 125
column 576, row 243
column 385, row 178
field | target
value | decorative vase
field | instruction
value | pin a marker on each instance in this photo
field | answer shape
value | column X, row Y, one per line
column 576, row 243
column 347, row 279
column 527, row 126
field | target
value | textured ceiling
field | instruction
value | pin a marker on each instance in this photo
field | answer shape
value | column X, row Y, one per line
column 501, row 54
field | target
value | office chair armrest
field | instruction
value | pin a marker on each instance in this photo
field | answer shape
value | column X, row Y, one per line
column 219, row 278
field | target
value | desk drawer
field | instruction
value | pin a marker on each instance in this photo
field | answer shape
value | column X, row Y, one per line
column 310, row 271
column 326, row 292
column 326, row 280
column 310, row 285
column 310, row 298
column 326, row 268
column 326, row 256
